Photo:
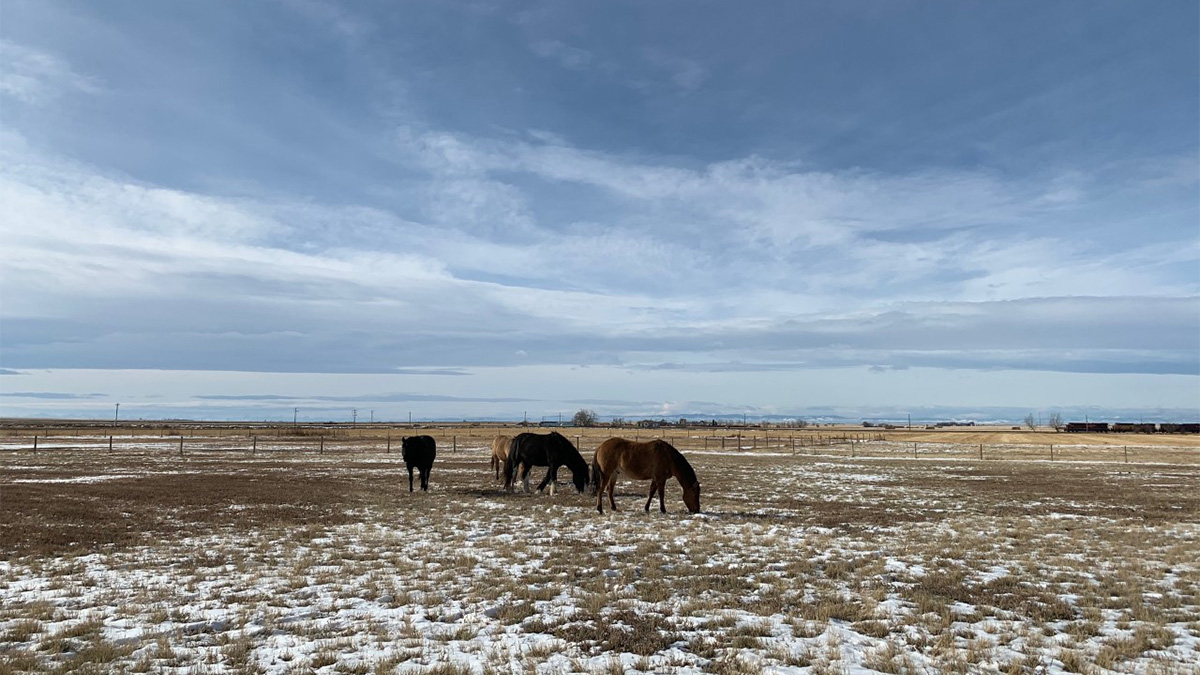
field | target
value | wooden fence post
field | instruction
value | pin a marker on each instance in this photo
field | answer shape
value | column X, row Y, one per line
column 454, row 442
column 1127, row 454
column 981, row 451
column 110, row 443
column 254, row 444
column 1052, row 452
column 181, row 446
column 321, row 447
column 35, row 442
column 389, row 442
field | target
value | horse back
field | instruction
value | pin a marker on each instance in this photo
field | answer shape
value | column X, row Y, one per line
column 638, row 460
column 419, row 450
column 500, row 447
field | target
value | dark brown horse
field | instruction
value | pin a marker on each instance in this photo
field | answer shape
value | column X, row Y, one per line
column 500, row 453
column 655, row 461
column 550, row 450
column 419, row 452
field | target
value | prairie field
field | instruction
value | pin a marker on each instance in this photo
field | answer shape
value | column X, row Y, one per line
column 823, row 551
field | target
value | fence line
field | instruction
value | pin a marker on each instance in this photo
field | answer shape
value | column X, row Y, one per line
column 853, row 446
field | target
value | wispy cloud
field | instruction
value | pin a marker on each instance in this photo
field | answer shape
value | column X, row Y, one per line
column 50, row 395
column 35, row 77
column 567, row 56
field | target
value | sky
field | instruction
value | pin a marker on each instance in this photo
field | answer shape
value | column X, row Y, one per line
column 482, row 209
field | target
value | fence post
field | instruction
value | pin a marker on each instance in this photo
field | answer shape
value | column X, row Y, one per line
column 110, row 443
column 981, row 451
column 254, row 444
column 181, row 445
column 389, row 442
column 793, row 446
column 722, row 442
column 321, row 447
column 35, row 442
column 1127, row 454
column 851, row 448
column 1052, row 452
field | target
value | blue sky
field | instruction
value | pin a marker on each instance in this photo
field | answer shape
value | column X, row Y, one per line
column 490, row 209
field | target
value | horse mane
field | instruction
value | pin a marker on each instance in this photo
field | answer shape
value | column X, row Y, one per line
column 574, row 459
column 687, row 475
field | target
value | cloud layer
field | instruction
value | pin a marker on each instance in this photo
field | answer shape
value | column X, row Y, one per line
column 356, row 210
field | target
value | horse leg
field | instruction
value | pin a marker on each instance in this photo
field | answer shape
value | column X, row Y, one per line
column 599, row 477
column 425, row 480
column 410, row 479
column 611, row 484
column 653, row 489
column 662, row 490
column 548, row 480
column 525, row 477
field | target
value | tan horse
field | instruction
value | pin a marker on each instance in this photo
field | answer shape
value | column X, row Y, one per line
column 655, row 461
column 500, row 452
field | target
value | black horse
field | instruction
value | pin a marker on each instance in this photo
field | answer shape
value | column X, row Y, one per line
column 419, row 451
column 550, row 450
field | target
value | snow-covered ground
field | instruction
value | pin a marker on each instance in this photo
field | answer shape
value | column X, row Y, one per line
column 144, row 561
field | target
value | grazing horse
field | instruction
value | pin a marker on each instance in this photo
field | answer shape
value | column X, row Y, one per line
column 655, row 461
column 500, row 452
column 419, row 451
column 550, row 450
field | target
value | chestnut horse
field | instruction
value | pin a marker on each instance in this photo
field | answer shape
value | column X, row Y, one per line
column 500, row 453
column 655, row 461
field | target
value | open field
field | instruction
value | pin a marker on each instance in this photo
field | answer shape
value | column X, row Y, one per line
column 298, row 553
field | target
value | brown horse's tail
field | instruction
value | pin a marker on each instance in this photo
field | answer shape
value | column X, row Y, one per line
column 597, row 477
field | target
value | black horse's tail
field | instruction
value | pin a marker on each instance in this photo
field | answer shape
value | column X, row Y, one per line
column 510, row 464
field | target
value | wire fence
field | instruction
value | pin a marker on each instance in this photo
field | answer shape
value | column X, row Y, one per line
column 384, row 440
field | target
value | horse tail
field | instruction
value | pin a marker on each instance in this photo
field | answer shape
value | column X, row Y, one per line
column 596, row 477
column 510, row 463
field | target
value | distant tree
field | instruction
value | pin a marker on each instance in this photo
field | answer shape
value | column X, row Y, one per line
column 584, row 418
column 1030, row 421
column 1055, row 422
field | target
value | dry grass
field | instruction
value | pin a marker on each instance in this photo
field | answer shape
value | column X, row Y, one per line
column 278, row 561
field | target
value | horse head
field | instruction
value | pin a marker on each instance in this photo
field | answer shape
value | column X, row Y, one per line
column 691, row 497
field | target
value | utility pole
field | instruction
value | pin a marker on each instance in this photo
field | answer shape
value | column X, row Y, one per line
column 354, row 416
column 295, row 415
column 372, row 417
column 117, row 415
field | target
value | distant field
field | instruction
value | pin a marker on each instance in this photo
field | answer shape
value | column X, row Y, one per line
column 254, row 551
